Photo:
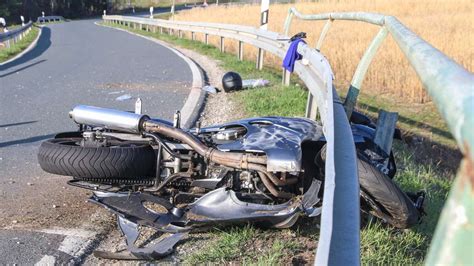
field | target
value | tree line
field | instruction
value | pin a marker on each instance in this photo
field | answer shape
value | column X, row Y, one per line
column 11, row 10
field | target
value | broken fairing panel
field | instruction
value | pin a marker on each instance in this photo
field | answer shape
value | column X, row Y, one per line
column 279, row 138
column 218, row 206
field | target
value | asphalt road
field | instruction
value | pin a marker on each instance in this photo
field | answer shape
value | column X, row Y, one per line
column 74, row 63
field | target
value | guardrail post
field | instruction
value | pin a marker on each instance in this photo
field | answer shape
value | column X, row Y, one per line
column 141, row 26
column 193, row 36
column 240, row 55
column 260, row 59
column 147, row 27
column 311, row 107
column 386, row 123
column 286, row 77
column 287, row 24
column 222, row 44
column 206, row 39
column 361, row 70
column 323, row 34
column 180, row 34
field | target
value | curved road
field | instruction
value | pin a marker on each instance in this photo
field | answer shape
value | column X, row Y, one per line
column 74, row 63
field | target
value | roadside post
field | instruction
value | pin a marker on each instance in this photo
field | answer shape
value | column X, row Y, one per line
column 138, row 106
column 151, row 12
column 22, row 24
column 263, row 26
column 172, row 10
column 42, row 13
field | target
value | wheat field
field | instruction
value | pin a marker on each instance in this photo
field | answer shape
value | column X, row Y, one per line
column 447, row 25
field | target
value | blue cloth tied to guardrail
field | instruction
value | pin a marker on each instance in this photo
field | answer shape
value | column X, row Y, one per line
column 292, row 55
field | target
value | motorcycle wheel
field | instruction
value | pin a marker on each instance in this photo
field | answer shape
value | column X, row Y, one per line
column 391, row 204
column 65, row 156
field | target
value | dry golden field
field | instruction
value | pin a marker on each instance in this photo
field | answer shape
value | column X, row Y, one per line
column 446, row 24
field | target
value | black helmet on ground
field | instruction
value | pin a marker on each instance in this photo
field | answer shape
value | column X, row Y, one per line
column 231, row 81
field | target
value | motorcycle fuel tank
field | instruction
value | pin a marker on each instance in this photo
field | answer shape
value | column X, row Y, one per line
column 280, row 138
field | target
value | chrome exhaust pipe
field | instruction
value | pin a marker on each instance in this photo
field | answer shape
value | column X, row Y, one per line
column 108, row 118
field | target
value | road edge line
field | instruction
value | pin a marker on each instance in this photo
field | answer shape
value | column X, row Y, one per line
column 194, row 103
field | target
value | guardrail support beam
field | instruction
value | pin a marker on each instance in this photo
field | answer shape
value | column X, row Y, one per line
column 323, row 34
column 361, row 70
column 260, row 59
column 193, row 35
column 206, row 39
column 222, row 46
column 311, row 107
column 386, row 123
column 286, row 77
column 240, row 54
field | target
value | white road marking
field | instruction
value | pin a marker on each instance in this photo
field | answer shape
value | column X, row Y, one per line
column 74, row 245
column 69, row 232
column 76, row 241
column 46, row 261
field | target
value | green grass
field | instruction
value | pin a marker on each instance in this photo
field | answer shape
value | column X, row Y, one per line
column 7, row 53
column 227, row 247
column 379, row 244
column 246, row 244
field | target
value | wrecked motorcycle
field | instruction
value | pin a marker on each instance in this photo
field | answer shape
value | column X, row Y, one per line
column 265, row 170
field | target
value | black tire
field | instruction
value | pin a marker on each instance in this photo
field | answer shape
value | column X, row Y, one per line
column 63, row 156
column 393, row 204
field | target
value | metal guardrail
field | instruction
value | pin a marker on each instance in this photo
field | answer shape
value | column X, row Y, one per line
column 49, row 19
column 15, row 35
column 452, row 89
column 448, row 83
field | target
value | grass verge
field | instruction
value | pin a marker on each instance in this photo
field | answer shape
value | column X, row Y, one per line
column 379, row 244
column 14, row 49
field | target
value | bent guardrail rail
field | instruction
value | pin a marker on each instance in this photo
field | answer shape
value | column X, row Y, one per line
column 15, row 35
column 452, row 89
column 448, row 83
